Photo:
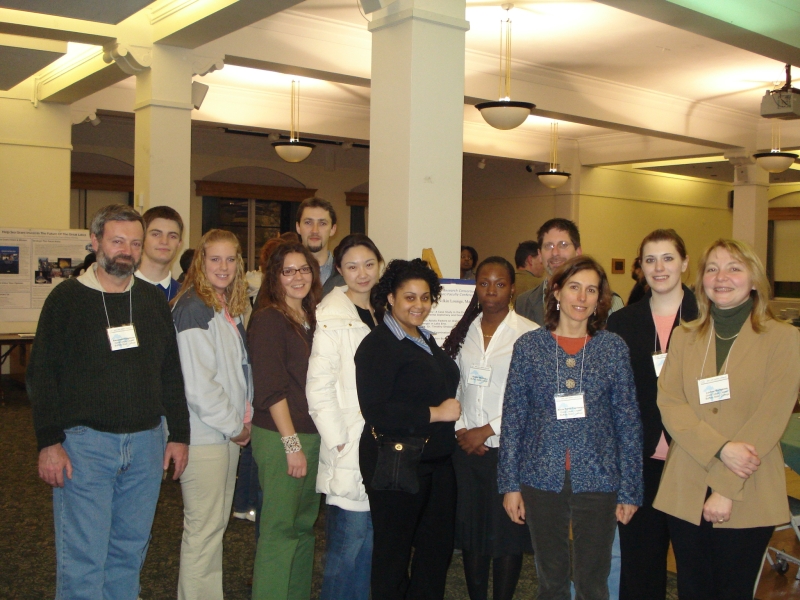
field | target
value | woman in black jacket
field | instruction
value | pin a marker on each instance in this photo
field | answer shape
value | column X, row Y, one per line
column 406, row 387
column 646, row 327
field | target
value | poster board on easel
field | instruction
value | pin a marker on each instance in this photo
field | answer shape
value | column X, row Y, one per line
column 32, row 263
column 456, row 296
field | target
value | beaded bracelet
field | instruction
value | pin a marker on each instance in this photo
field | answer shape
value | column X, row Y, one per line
column 291, row 444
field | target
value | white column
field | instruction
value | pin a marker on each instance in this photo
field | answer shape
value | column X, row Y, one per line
column 750, row 203
column 163, row 138
column 416, row 129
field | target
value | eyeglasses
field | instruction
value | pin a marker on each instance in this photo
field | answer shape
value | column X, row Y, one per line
column 290, row 271
column 563, row 245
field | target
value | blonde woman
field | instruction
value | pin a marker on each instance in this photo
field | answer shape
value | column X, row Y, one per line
column 208, row 313
column 726, row 394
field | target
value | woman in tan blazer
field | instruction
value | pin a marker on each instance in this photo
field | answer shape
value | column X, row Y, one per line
column 724, row 486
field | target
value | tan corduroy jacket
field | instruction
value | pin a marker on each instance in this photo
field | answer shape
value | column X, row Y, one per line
column 764, row 375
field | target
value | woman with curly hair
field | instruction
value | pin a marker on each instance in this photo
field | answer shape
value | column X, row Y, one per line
column 208, row 314
column 285, row 439
column 481, row 343
column 571, row 439
column 406, row 389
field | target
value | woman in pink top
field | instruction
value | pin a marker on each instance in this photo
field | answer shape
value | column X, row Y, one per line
column 646, row 327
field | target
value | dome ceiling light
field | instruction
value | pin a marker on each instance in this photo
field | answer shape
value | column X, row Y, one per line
column 553, row 178
column 294, row 150
column 505, row 114
column 775, row 161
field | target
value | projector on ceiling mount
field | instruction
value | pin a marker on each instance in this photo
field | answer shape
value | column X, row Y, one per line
column 783, row 103
column 780, row 104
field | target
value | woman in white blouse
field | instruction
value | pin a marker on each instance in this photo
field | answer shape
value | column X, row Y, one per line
column 482, row 344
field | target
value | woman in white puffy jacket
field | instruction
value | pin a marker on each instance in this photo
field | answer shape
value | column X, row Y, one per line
column 344, row 318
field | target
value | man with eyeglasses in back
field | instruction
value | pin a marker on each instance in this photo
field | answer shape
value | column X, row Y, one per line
column 559, row 240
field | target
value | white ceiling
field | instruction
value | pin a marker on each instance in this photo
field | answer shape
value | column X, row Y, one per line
column 578, row 46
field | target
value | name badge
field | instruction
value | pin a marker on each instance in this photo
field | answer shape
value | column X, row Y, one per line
column 122, row 337
column 569, row 407
column 714, row 389
column 658, row 362
column 479, row 376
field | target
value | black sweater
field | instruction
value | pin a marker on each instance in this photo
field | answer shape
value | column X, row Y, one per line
column 74, row 378
column 397, row 384
column 635, row 325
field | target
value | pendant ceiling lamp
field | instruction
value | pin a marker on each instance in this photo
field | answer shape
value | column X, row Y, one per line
column 775, row 161
column 505, row 114
column 294, row 150
column 553, row 178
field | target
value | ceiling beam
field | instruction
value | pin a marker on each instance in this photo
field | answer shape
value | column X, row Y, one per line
column 764, row 27
column 18, row 22
column 342, row 53
column 192, row 24
column 21, row 57
column 76, row 77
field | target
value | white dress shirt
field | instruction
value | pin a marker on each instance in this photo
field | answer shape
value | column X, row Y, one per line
column 484, row 404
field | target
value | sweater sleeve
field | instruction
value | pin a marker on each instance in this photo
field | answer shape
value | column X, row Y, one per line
column 377, row 369
column 516, row 416
column 268, row 355
column 768, row 421
column 324, row 367
column 173, row 390
column 627, row 427
column 43, row 369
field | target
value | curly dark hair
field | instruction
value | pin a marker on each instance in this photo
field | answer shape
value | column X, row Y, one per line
column 452, row 345
column 397, row 272
column 272, row 294
column 579, row 263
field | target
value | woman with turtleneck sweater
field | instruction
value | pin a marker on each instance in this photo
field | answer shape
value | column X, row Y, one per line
column 726, row 393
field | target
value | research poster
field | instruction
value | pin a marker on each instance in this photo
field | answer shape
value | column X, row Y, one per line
column 32, row 263
column 456, row 295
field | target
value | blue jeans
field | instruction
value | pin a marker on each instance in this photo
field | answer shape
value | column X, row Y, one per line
column 613, row 576
column 348, row 554
column 103, row 515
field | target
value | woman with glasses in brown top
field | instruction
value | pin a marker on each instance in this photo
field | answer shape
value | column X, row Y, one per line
column 284, row 437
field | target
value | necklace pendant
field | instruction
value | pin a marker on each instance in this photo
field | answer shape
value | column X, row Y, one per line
column 570, row 383
column 571, row 362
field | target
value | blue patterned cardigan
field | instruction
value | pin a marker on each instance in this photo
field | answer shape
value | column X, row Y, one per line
column 605, row 446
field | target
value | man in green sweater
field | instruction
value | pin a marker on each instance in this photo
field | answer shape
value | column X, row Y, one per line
column 104, row 370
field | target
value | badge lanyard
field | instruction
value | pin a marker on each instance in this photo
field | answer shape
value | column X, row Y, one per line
column 124, row 336
column 660, row 357
column 570, row 406
column 715, row 389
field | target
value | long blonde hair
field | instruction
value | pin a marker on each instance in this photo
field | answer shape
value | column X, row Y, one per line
column 235, row 293
column 761, row 313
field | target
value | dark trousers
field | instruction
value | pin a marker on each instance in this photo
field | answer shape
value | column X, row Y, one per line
column 644, row 542
column 593, row 519
column 717, row 564
column 426, row 521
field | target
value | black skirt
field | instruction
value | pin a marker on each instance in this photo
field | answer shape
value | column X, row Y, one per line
column 482, row 524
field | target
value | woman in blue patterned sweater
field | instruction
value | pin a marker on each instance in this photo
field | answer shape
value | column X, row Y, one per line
column 571, row 437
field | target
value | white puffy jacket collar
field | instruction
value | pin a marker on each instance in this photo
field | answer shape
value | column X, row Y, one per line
column 337, row 311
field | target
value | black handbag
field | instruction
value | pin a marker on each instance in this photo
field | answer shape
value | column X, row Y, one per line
column 398, row 457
